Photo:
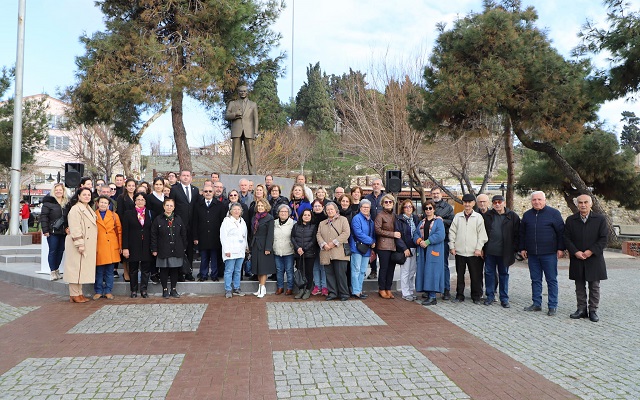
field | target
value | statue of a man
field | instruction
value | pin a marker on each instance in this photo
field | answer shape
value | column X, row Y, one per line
column 243, row 114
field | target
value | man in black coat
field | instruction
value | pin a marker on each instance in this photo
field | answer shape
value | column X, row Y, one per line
column 444, row 210
column 186, row 196
column 503, row 229
column 205, row 227
column 585, row 235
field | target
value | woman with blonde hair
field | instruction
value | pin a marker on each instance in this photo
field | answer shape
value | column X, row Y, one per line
column 386, row 236
column 262, row 259
column 53, row 222
column 80, row 245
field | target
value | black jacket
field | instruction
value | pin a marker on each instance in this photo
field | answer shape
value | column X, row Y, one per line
column 168, row 243
column 402, row 226
column 51, row 211
column 124, row 204
column 580, row 236
column 510, row 233
column 184, row 208
column 444, row 210
column 304, row 236
column 136, row 238
column 275, row 203
column 206, row 223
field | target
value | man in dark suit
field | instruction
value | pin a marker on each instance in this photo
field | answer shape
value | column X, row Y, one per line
column 186, row 196
column 585, row 236
column 243, row 115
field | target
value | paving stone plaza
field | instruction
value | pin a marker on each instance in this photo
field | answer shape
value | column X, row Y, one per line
column 209, row 347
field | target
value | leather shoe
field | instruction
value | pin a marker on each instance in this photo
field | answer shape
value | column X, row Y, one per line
column 430, row 302
column 189, row 277
column 134, row 294
column 165, row 293
column 362, row 296
column 344, row 298
column 97, row 296
column 174, row 293
column 289, row 292
column 505, row 304
column 383, row 294
column 533, row 308
column 279, row 291
column 390, row 294
column 579, row 314
column 109, row 296
column 331, row 297
column 488, row 302
column 552, row 312
column 593, row 316
column 144, row 295
column 446, row 295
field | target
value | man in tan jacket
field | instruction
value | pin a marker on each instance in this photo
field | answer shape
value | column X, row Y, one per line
column 467, row 237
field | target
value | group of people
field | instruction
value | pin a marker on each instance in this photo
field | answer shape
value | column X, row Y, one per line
column 155, row 230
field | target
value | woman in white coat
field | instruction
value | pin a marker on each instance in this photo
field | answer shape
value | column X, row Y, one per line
column 233, row 237
column 80, row 245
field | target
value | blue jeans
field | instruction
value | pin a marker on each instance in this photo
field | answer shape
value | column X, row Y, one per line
column 56, row 251
column 104, row 279
column 490, row 264
column 207, row 257
column 447, row 272
column 232, row 269
column 284, row 264
column 359, row 264
column 547, row 264
column 319, row 274
column 247, row 266
column 431, row 294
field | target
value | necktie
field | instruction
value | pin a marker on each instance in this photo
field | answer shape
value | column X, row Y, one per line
column 208, row 202
column 186, row 191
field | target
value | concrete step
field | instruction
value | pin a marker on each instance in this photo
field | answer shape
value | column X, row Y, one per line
column 20, row 258
column 11, row 250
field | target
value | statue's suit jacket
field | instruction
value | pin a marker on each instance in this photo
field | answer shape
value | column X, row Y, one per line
column 248, row 123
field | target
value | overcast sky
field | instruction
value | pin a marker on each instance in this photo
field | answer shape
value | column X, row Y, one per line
column 338, row 34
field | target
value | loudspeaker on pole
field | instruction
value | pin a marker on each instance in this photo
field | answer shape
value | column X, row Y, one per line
column 394, row 181
column 73, row 172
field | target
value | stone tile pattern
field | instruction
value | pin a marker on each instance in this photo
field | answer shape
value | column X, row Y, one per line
column 9, row 313
column 400, row 372
column 121, row 377
column 143, row 318
column 320, row 314
column 592, row 360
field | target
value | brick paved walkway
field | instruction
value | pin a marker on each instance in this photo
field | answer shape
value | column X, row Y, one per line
column 245, row 348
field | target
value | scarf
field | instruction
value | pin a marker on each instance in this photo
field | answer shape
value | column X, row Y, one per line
column 256, row 220
column 141, row 213
column 295, row 204
column 426, row 221
column 170, row 218
column 283, row 222
column 409, row 220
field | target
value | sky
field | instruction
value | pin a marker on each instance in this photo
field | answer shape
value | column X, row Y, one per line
column 337, row 33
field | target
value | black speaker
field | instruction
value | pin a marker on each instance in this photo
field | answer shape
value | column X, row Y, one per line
column 394, row 181
column 72, row 174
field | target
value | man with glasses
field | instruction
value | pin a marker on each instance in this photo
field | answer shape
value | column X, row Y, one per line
column 107, row 191
column 467, row 237
column 208, row 214
column 376, row 206
column 503, row 230
column 444, row 210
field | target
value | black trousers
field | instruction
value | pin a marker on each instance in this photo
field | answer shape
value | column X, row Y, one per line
column 145, row 272
column 385, row 274
column 476, row 267
column 337, row 278
column 166, row 273
column 306, row 264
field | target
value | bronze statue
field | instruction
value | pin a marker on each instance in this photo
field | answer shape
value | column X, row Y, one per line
column 243, row 114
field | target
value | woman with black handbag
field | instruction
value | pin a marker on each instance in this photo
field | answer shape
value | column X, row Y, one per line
column 362, row 240
column 168, row 244
column 332, row 236
column 136, row 244
column 303, row 238
column 53, row 222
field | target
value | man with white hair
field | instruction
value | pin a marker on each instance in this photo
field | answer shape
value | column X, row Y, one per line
column 246, row 197
column 542, row 243
column 482, row 202
column 585, row 235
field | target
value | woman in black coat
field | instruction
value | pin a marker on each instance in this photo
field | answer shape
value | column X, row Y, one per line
column 53, row 226
column 305, row 244
column 205, row 227
column 136, row 244
column 276, row 200
column 168, row 244
column 156, row 197
column 263, row 262
column 125, row 203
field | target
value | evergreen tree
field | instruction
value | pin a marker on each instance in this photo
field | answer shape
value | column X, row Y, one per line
column 630, row 136
column 314, row 105
column 265, row 94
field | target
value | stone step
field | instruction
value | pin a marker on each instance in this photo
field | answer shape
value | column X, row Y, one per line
column 11, row 250
column 20, row 258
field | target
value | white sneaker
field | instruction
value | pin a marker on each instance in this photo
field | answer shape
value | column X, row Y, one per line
column 54, row 276
column 58, row 274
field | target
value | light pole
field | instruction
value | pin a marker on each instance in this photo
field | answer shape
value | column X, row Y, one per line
column 502, row 188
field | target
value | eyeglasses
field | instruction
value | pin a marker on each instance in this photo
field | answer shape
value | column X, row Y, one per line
column 207, row 191
column 233, row 195
column 497, row 202
column 114, row 189
column 388, row 202
column 428, row 208
column 407, row 207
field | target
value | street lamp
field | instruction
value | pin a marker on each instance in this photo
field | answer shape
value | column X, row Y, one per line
column 49, row 179
column 502, row 188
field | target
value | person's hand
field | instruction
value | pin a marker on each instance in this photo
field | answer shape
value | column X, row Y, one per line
column 125, row 253
column 373, row 245
column 267, row 252
column 81, row 249
column 423, row 244
column 477, row 253
column 327, row 247
column 523, row 253
column 300, row 251
column 453, row 251
column 66, row 230
column 195, row 242
column 560, row 253
column 587, row 254
column 407, row 253
column 155, row 253
column 397, row 235
column 46, row 235
column 227, row 254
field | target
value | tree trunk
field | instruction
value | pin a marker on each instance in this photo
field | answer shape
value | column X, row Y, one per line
column 179, row 131
column 508, row 149
column 435, row 181
column 416, row 183
column 570, row 173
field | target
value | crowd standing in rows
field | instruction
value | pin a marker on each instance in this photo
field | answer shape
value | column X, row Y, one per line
column 154, row 229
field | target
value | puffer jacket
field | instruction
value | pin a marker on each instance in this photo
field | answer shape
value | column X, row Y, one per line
column 51, row 211
column 282, row 237
column 304, row 236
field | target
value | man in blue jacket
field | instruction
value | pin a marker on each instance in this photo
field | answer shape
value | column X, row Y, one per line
column 542, row 243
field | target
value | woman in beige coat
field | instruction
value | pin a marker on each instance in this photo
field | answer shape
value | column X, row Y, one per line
column 80, row 245
column 333, row 234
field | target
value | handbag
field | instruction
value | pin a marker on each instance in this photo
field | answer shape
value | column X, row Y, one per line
column 362, row 248
column 398, row 257
column 299, row 276
column 186, row 265
column 57, row 224
column 345, row 246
